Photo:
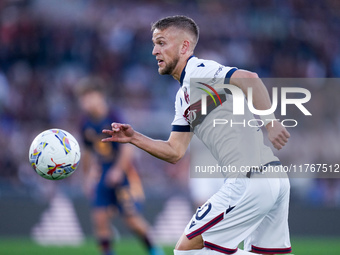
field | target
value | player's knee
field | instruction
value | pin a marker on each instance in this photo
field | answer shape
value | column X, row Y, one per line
column 100, row 217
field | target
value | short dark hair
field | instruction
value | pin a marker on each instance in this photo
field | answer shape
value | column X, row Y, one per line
column 178, row 21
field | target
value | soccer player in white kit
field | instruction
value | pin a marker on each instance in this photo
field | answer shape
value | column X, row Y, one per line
column 250, row 206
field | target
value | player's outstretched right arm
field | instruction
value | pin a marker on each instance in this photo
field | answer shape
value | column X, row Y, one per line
column 171, row 150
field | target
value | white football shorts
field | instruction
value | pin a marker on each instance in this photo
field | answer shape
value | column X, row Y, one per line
column 253, row 210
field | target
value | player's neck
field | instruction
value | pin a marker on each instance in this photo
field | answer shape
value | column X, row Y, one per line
column 180, row 67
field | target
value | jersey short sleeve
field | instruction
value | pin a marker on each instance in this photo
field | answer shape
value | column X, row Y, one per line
column 228, row 75
column 180, row 124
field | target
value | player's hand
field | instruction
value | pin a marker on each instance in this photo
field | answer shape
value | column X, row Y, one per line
column 277, row 134
column 121, row 133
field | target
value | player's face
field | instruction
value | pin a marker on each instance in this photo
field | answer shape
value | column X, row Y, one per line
column 94, row 104
column 166, row 49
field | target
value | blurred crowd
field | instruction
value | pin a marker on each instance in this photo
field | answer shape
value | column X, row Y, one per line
column 46, row 46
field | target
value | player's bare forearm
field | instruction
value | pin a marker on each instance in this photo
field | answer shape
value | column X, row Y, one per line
column 171, row 150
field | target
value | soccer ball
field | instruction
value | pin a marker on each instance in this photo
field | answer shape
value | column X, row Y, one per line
column 54, row 154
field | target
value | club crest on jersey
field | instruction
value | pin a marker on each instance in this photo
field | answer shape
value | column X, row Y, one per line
column 189, row 115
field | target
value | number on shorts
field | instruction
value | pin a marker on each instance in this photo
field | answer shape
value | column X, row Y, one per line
column 203, row 211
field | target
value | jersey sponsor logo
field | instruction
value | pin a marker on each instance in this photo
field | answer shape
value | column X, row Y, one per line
column 186, row 95
column 201, row 65
column 220, row 68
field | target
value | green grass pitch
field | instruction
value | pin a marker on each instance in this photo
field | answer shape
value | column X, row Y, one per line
column 301, row 246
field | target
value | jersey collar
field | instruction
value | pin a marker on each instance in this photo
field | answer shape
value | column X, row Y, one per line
column 183, row 72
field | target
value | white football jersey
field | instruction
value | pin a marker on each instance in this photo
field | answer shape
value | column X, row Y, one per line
column 232, row 139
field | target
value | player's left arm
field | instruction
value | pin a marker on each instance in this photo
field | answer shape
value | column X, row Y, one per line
column 244, row 79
